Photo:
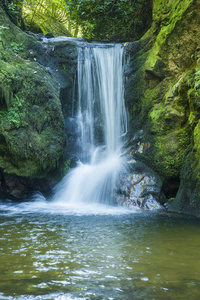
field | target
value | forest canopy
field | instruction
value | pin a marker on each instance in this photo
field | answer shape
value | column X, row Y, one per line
column 113, row 20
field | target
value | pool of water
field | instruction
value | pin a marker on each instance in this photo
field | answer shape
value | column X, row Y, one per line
column 51, row 251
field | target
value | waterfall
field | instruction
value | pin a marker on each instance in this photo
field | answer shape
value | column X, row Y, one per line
column 102, row 126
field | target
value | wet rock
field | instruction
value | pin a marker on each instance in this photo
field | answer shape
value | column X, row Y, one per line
column 18, row 188
column 141, row 188
column 49, row 35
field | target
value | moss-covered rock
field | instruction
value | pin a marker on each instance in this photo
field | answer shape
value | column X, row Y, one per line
column 32, row 139
column 188, row 197
column 165, row 100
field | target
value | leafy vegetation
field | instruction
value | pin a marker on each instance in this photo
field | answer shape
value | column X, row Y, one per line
column 111, row 20
column 14, row 10
column 197, row 81
column 47, row 16
column 92, row 19
column 2, row 28
column 16, row 47
column 14, row 115
column 67, row 165
column 197, row 89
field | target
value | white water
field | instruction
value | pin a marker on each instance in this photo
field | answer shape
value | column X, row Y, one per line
column 102, row 123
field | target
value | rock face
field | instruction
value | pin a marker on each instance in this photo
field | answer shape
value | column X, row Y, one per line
column 140, row 188
column 32, row 125
column 163, row 99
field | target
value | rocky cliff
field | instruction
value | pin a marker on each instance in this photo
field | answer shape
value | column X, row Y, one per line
column 163, row 99
column 32, row 135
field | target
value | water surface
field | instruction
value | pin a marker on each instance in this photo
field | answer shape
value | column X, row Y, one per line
column 51, row 251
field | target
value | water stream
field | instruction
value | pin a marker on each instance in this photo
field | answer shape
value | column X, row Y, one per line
column 102, row 122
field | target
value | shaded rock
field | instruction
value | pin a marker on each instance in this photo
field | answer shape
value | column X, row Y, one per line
column 18, row 188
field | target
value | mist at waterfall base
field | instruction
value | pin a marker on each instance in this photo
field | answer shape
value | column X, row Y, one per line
column 102, row 126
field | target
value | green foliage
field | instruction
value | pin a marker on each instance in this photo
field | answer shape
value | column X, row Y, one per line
column 197, row 88
column 16, row 47
column 170, row 161
column 18, row 102
column 92, row 19
column 5, row 77
column 13, row 9
column 197, row 81
column 2, row 28
column 111, row 20
column 12, row 6
column 14, row 115
column 67, row 164
column 46, row 16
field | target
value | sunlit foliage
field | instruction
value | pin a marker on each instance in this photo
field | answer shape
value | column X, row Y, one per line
column 47, row 16
column 94, row 19
column 111, row 19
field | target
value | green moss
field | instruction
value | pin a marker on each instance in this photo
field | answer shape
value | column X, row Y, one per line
column 197, row 139
column 67, row 165
column 30, row 153
column 14, row 44
column 31, row 123
column 188, row 197
column 166, row 128
column 156, row 115
column 168, row 110
column 150, row 97
column 170, row 151
column 166, row 14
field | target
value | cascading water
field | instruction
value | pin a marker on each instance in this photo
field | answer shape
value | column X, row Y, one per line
column 102, row 123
